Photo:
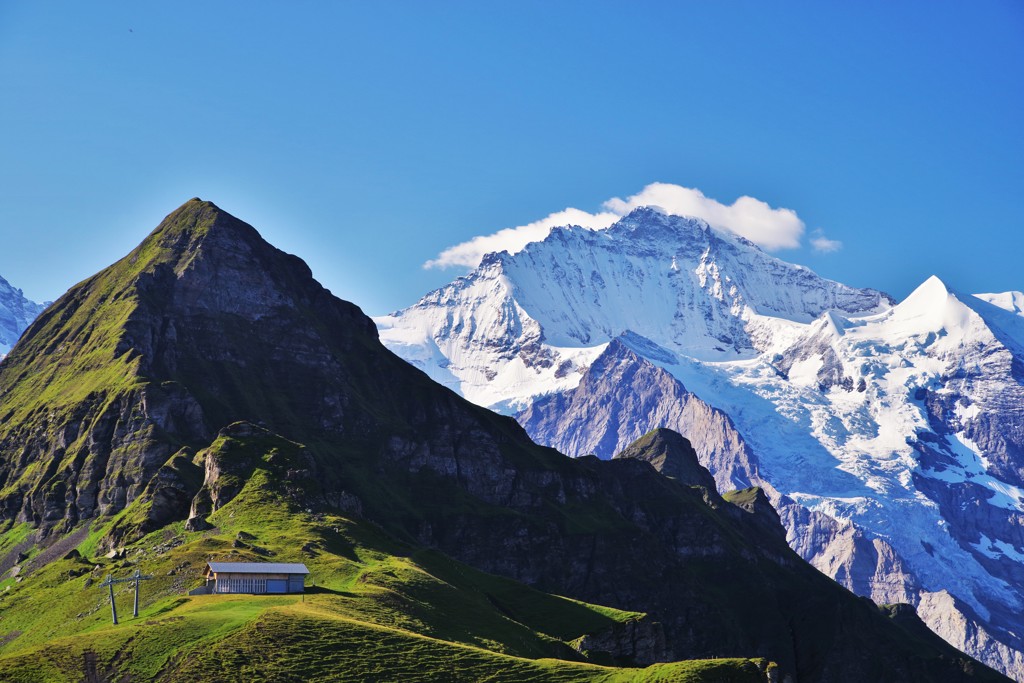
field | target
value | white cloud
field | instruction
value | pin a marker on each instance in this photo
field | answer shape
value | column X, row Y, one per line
column 512, row 240
column 824, row 244
column 748, row 217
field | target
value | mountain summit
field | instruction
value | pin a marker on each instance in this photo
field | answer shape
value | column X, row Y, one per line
column 527, row 324
column 155, row 354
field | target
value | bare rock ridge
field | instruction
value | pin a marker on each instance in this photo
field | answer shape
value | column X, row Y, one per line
column 623, row 396
column 127, row 391
column 672, row 455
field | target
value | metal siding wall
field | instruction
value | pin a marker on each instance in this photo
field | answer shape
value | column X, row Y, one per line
column 258, row 583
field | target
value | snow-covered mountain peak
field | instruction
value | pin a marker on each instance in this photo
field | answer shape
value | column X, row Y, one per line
column 930, row 296
column 16, row 312
column 932, row 288
column 673, row 285
column 931, row 308
column 653, row 221
column 674, row 280
column 941, row 321
column 492, row 260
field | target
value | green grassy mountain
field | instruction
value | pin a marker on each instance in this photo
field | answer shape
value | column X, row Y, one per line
column 204, row 398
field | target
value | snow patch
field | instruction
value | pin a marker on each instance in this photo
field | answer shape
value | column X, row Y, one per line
column 997, row 550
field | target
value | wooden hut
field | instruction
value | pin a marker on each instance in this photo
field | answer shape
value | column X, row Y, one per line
column 255, row 577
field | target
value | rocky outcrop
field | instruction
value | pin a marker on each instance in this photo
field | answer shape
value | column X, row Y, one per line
column 866, row 565
column 957, row 623
column 92, row 457
column 672, row 455
column 229, row 462
column 759, row 513
column 623, row 396
column 638, row 642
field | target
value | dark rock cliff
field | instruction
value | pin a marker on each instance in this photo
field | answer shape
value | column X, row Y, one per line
column 671, row 454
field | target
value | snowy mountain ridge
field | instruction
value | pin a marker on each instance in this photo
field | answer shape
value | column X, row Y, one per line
column 901, row 422
column 16, row 312
column 675, row 281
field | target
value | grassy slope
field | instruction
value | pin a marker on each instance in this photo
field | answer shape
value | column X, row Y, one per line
column 380, row 610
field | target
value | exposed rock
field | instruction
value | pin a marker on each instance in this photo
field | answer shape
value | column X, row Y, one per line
column 638, row 642
column 620, row 398
column 959, row 625
column 671, row 454
column 197, row 524
column 230, row 461
column 758, row 511
column 866, row 565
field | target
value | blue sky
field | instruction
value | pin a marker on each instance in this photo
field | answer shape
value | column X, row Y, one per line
column 369, row 137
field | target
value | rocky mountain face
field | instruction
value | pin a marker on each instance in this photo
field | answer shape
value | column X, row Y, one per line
column 849, row 411
column 622, row 396
column 124, row 401
column 16, row 312
column 143, row 361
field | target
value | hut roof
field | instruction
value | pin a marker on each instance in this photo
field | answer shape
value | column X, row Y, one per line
column 258, row 567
